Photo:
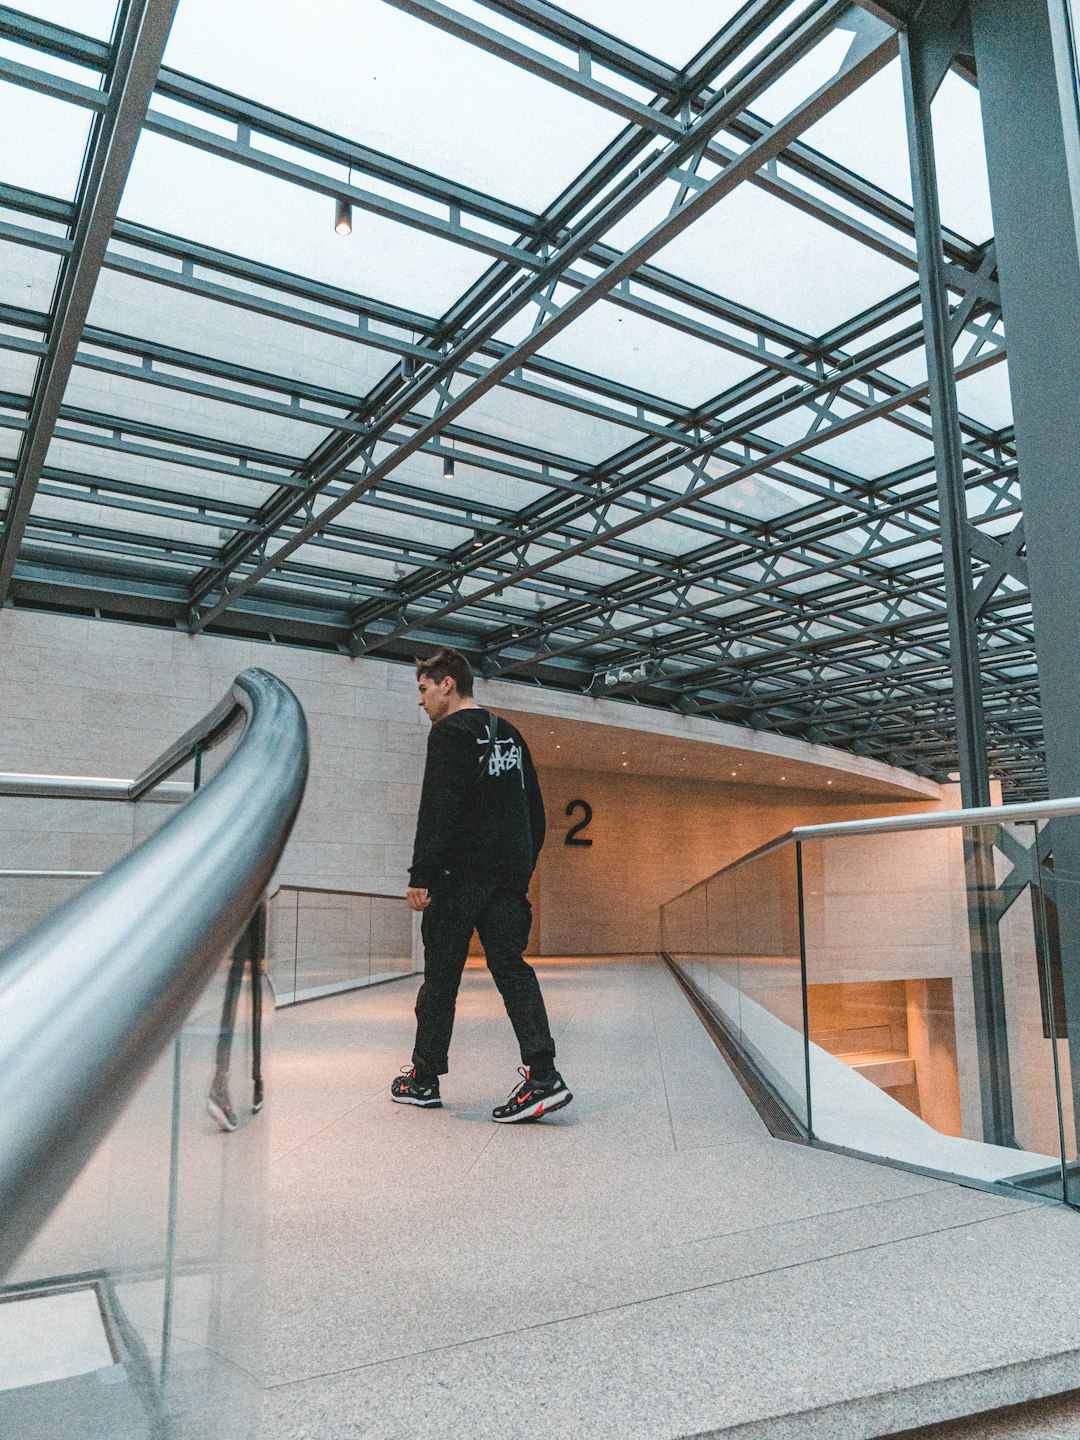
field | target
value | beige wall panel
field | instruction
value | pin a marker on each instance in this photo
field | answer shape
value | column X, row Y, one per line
column 653, row 836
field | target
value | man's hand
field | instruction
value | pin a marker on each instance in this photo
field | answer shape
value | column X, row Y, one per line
column 418, row 899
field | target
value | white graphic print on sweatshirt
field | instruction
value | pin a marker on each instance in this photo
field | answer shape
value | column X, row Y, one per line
column 505, row 756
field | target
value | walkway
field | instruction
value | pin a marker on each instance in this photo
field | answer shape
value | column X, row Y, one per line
column 648, row 1263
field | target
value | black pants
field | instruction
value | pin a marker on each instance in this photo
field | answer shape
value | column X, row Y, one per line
column 503, row 918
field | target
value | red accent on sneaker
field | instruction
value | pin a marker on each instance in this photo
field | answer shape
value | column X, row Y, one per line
column 523, row 1098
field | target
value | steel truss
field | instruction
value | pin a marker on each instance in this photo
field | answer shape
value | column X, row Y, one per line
column 826, row 616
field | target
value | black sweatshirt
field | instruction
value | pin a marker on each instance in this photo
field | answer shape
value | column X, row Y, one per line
column 481, row 811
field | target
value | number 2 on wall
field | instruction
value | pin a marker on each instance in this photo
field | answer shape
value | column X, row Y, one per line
column 573, row 835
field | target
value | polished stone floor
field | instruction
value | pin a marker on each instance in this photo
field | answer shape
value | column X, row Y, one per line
column 648, row 1263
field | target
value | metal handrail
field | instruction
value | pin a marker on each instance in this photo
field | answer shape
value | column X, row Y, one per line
column 50, row 874
column 90, row 787
column 92, row 996
column 331, row 890
column 889, row 824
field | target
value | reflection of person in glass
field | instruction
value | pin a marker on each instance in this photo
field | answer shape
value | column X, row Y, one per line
column 250, row 949
column 479, row 831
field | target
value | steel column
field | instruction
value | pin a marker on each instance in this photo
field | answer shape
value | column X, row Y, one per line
column 1030, row 123
column 926, row 50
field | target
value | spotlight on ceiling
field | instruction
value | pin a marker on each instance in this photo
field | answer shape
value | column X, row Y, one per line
column 343, row 217
column 447, row 468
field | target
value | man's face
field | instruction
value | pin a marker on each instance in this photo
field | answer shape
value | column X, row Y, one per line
column 436, row 697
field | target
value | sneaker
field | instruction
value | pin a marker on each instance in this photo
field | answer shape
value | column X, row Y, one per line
column 532, row 1099
column 257, row 1098
column 219, row 1108
column 408, row 1089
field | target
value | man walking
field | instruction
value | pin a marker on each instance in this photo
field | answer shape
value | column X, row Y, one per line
column 479, row 831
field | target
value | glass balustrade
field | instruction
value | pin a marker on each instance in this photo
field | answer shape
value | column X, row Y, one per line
column 135, row 1313
column 903, row 992
column 322, row 942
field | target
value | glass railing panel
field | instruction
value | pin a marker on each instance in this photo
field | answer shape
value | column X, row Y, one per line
column 770, row 973
column 136, row 1311
column 333, row 942
column 684, row 933
column 27, row 897
column 1055, row 901
column 322, row 942
column 283, row 921
column 721, row 982
column 391, row 951
column 924, row 1001
column 736, row 938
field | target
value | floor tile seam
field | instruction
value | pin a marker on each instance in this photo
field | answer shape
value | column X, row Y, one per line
column 589, row 1161
column 1014, row 1208
column 602, row 1310
column 367, row 1100
column 663, row 1072
column 479, row 1155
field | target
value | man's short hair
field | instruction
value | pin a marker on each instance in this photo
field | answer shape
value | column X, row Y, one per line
column 447, row 662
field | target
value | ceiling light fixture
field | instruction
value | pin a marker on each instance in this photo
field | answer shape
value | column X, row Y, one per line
column 343, row 217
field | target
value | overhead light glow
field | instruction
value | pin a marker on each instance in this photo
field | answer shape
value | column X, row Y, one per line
column 343, row 217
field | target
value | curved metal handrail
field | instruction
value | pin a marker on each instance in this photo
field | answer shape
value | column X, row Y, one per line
column 91, row 997
column 984, row 815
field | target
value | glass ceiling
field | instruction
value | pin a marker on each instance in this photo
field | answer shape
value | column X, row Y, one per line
column 619, row 369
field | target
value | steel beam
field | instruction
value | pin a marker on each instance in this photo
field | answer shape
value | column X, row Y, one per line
column 870, row 51
column 138, row 51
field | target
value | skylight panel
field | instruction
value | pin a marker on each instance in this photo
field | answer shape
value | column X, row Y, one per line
column 229, row 333
column 124, row 398
column 368, row 71
column 27, row 276
column 171, row 480
column 867, row 133
column 17, row 370
column 637, row 351
column 45, row 141
column 803, row 78
column 759, row 251
column 515, row 416
column 986, row 397
column 90, row 17
column 184, row 191
column 674, row 33
column 874, row 448
column 960, row 155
